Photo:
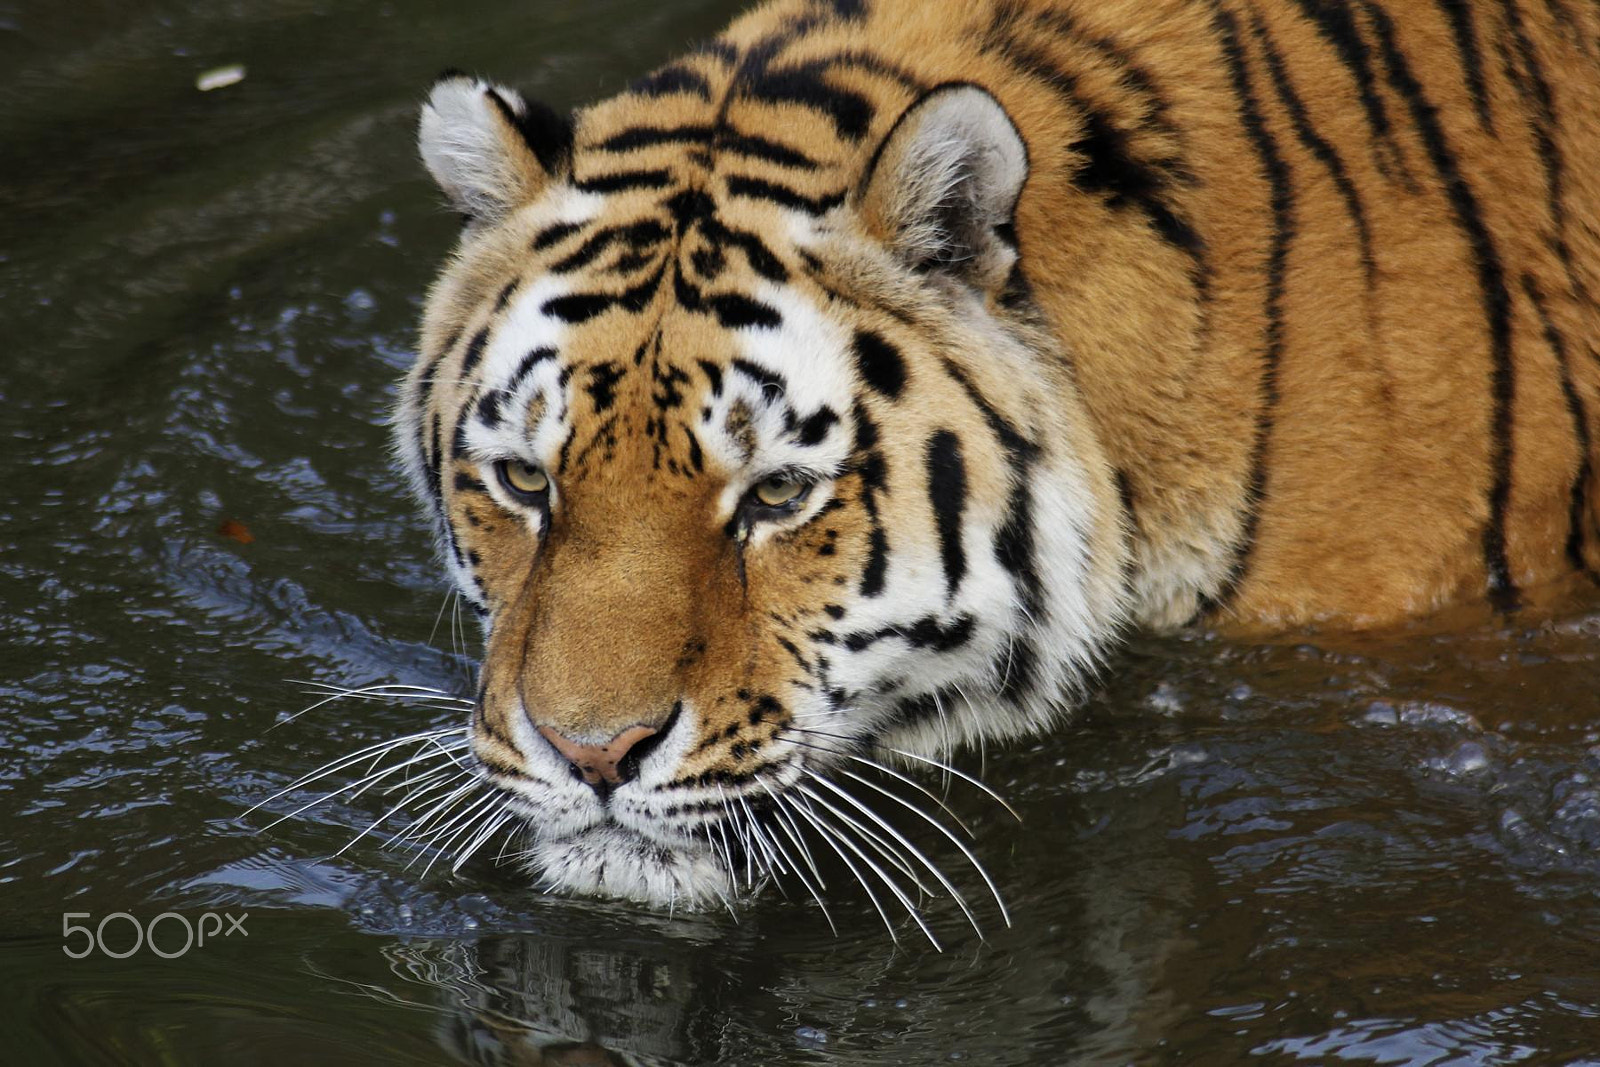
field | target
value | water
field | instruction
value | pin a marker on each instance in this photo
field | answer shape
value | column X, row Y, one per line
column 1385, row 850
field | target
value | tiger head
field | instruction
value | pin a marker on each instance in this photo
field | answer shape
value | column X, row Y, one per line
column 754, row 460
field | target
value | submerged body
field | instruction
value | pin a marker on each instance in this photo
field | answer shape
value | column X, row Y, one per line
column 850, row 383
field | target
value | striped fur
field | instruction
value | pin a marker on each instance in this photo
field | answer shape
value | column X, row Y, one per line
column 1071, row 314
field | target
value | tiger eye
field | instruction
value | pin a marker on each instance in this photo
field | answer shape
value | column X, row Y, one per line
column 523, row 479
column 777, row 491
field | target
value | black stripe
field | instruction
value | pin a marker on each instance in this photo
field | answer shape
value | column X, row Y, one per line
column 689, row 206
column 626, row 179
column 629, row 262
column 769, row 381
column 1335, row 23
column 425, row 381
column 566, row 449
column 761, row 189
column 881, row 365
column 815, row 427
column 947, row 493
column 1326, row 154
column 467, row 483
column 708, row 263
column 604, row 437
column 1563, row 14
column 713, row 375
column 1017, row 667
column 474, row 351
column 914, row 711
column 697, row 458
column 648, row 136
column 756, row 253
column 926, row 632
column 721, row 50
column 602, row 387
column 525, row 367
column 805, row 85
column 555, row 234
column 1495, row 295
column 490, row 406
column 1110, row 168
column 435, row 461
column 874, row 473
column 482, row 722
column 669, row 80
column 1134, row 78
column 1577, row 497
column 768, row 151
column 1550, row 155
column 734, row 312
column 634, row 235
column 546, row 132
column 1459, row 14
column 580, row 307
column 1014, row 545
column 1275, row 169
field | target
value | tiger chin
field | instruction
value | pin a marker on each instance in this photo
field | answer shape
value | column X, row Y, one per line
column 841, row 391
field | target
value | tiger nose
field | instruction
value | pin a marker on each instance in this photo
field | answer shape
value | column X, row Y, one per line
column 601, row 763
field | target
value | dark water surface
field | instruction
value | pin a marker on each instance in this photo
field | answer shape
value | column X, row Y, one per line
column 1381, row 851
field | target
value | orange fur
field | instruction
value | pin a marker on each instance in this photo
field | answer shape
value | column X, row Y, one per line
column 1306, row 296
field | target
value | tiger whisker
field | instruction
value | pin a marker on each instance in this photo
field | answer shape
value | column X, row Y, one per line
column 458, row 827
column 781, row 814
column 439, row 616
column 492, row 826
column 954, row 840
column 873, row 840
column 501, row 854
column 751, row 857
column 374, row 692
column 828, row 836
column 354, row 788
column 398, row 690
column 417, row 792
column 930, row 761
column 889, row 883
column 727, row 820
column 440, row 806
column 887, row 770
column 727, row 864
column 451, row 820
column 774, row 864
column 933, row 869
column 789, row 831
column 727, row 850
column 457, row 630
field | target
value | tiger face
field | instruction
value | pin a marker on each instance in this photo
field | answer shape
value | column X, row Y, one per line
column 753, row 471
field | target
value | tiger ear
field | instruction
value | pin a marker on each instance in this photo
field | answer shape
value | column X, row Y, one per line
column 490, row 149
column 941, row 189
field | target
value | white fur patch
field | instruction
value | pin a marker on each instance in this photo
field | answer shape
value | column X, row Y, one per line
column 462, row 140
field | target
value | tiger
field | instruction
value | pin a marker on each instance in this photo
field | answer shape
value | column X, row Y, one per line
column 843, row 392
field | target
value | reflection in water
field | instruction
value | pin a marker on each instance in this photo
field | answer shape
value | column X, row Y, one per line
column 538, row 1000
column 1088, row 985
